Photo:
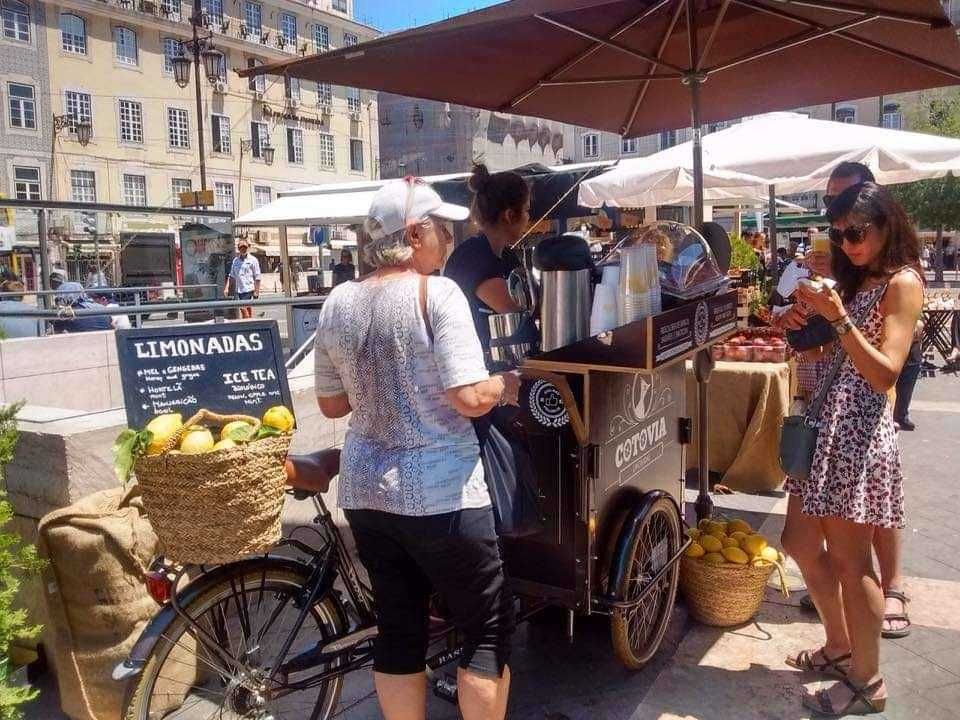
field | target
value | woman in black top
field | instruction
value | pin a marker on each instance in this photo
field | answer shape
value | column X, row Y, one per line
column 482, row 264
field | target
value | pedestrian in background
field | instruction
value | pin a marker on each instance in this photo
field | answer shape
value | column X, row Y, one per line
column 244, row 276
column 855, row 485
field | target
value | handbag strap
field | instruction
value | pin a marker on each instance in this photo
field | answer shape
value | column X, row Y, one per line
column 817, row 405
column 423, row 306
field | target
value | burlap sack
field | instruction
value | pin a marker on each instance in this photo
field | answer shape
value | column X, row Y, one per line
column 97, row 603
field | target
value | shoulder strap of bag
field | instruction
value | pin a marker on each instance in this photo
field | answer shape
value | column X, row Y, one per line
column 423, row 306
column 817, row 405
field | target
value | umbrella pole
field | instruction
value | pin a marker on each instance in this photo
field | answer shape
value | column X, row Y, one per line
column 772, row 211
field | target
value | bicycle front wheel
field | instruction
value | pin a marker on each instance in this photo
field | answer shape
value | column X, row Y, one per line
column 250, row 615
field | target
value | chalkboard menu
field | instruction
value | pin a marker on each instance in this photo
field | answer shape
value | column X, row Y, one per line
column 223, row 367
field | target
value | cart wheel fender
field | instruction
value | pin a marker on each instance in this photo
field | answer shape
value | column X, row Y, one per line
column 620, row 559
column 161, row 622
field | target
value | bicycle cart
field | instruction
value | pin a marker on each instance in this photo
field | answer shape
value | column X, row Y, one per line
column 272, row 636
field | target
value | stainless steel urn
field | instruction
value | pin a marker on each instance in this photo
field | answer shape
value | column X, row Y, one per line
column 565, row 308
column 506, row 346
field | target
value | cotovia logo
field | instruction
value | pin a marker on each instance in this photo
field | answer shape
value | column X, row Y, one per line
column 546, row 405
column 701, row 325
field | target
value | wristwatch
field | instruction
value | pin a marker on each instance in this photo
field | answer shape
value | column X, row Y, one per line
column 843, row 325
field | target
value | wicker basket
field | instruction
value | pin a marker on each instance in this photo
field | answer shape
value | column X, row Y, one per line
column 215, row 507
column 723, row 595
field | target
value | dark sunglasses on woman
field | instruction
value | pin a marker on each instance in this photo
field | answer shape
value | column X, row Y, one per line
column 853, row 234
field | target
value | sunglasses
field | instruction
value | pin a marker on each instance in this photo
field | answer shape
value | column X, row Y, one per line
column 853, row 234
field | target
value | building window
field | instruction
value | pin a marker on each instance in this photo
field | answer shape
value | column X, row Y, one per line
column 324, row 95
column 131, row 121
column 178, row 128
column 591, row 145
column 257, row 83
column 356, row 155
column 78, row 106
column 668, row 138
column 83, row 186
column 846, row 114
column 223, row 196
column 353, row 100
column 892, row 116
column 16, row 20
column 125, row 45
column 291, row 87
column 349, row 39
column 73, row 34
column 328, row 158
column 212, row 13
column 171, row 48
column 288, row 27
column 253, row 20
column 295, row 146
column 629, row 146
column 340, row 6
column 220, row 126
column 262, row 195
column 180, row 185
column 135, row 190
column 321, row 38
column 259, row 138
column 26, row 183
column 170, row 9
column 23, row 106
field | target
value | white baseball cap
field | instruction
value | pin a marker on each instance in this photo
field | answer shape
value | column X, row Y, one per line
column 400, row 202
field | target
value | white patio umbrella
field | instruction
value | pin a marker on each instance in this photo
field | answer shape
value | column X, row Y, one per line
column 789, row 151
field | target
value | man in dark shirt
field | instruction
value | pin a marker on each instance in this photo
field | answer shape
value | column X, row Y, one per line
column 345, row 270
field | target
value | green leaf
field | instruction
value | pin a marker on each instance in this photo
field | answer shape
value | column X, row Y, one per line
column 241, row 433
column 128, row 446
column 266, row 431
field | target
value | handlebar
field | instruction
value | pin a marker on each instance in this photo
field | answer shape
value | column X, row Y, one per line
column 311, row 474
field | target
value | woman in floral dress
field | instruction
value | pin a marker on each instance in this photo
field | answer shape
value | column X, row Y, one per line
column 855, row 484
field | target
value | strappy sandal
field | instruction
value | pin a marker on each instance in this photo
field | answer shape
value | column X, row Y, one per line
column 859, row 704
column 833, row 667
column 896, row 617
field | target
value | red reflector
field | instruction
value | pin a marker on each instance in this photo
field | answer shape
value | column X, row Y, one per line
column 159, row 586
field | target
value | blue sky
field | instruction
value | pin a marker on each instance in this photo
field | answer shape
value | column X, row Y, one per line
column 399, row 14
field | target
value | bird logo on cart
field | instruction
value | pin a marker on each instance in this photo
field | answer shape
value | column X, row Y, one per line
column 546, row 405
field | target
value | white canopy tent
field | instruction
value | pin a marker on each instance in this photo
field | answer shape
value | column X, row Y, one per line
column 789, row 151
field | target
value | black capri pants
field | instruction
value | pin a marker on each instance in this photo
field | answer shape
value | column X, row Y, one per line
column 455, row 554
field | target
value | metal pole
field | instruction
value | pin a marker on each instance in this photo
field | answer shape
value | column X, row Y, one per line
column 703, row 368
column 772, row 211
column 44, row 257
column 285, row 279
column 693, row 79
column 194, row 22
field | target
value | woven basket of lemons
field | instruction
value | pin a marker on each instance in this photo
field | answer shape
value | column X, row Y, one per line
column 724, row 572
column 213, row 486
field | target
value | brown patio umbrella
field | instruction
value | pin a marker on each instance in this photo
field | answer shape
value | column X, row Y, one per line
column 640, row 66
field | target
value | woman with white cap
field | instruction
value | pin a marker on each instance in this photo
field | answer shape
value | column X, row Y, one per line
column 398, row 350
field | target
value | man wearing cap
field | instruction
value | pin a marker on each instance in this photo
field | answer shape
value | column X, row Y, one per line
column 245, row 277
column 398, row 352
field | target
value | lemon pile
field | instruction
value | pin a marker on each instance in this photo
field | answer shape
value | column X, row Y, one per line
column 197, row 439
column 730, row 543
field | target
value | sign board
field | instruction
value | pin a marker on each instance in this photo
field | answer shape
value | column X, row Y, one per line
column 196, row 198
column 692, row 325
column 223, row 367
column 8, row 238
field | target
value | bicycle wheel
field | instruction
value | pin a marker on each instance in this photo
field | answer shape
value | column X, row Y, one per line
column 637, row 632
column 251, row 614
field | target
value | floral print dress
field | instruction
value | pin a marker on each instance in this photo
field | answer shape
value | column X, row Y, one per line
column 856, row 472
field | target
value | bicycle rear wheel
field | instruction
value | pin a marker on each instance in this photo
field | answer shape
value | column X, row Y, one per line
column 250, row 615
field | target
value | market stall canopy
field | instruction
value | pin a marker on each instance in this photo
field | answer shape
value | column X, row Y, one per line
column 324, row 205
column 755, row 152
column 627, row 66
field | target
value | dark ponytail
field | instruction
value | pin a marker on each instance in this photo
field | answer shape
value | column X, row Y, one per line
column 494, row 194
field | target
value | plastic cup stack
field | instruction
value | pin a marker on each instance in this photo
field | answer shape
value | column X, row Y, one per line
column 639, row 283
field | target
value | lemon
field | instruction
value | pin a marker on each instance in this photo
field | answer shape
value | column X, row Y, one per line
column 225, row 444
column 770, row 554
column 735, row 555
column 753, row 545
column 739, row 526
column 279, row 417
column 711, row 544
column 230, row 427
column 199, row 440
column 718, row 530
column 729, row 542
column 163, row 428
column 739, row 535
column 704, row 525
column 695, row 550
column 692, row 533
column 714, row 558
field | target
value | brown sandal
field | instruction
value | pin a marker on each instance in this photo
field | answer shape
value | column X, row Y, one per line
column 896, row 617
column 859, row 704
column 830, row 666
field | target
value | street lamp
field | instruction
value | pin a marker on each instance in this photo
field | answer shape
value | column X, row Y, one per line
column 181, row 69
column 82, row 128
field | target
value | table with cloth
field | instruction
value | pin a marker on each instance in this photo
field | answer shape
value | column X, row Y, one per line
column 748, row 402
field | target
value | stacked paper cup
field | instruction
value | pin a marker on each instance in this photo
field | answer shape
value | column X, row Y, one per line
column 639, row 283
column 605, row 312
